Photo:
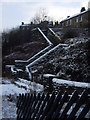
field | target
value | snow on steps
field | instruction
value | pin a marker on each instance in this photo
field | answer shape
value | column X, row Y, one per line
column 41, row 57
column 31, row 60
column 42, row 52
column 54, row 33
column 28, row 85
column 51, row 50
column 23, row 62
column 50, row 43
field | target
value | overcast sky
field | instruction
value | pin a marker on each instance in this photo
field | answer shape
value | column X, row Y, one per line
column 13, row 12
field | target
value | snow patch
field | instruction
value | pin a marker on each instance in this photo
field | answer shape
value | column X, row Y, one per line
column 71, row 83
column 48, row 75
column 20, row 86
column 11, row 89
column 30, row 85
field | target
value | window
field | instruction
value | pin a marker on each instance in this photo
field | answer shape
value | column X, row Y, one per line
column 62, row 24
column 70, row 21
column 23, row 28
column 76, row 19
column 81, row 18
column 67, row 23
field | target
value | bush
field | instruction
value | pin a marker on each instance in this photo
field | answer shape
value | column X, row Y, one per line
column 70, row 33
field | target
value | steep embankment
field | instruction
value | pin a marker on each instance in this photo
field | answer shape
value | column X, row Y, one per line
column 70, row 62
column 24, row 52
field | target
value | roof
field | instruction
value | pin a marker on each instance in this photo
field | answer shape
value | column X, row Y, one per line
column 25, row 25
column 75, row 15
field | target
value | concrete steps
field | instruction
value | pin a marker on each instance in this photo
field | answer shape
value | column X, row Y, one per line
column 52, row 45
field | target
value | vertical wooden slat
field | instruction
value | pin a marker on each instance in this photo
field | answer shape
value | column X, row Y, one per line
column 69, row 104
column 53, row 107
column 18, row 103
column 47, row 107
column 80, row 101
column 37, row 106
column 84, row 111
column 21, row 105
column 42, row 106
column 34, row 105
column 18, row 100
column 63, row 99
column 20, row 97
column 29, row 107
column 20, row 112
column 29, row 97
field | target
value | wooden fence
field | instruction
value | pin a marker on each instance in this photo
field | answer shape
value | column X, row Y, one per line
column 53, row 106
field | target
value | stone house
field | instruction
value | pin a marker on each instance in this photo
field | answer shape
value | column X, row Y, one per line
column 81, row 20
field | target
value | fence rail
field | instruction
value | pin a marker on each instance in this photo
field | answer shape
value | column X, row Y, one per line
column 53, row 106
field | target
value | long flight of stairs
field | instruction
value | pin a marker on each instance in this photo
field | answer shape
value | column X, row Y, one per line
column 53, row 37
column 53, row 42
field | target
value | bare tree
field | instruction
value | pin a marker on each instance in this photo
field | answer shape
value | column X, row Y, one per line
column 40, row 15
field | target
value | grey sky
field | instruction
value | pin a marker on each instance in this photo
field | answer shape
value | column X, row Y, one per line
column 13, row 12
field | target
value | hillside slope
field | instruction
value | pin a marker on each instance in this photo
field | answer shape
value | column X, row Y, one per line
column 70, row 62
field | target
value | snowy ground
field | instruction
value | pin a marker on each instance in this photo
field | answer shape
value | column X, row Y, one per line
column 9, row 92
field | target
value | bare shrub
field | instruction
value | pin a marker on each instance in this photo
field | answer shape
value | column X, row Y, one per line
column 70, row 33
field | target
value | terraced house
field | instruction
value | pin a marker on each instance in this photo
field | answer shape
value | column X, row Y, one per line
column 81, row 20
